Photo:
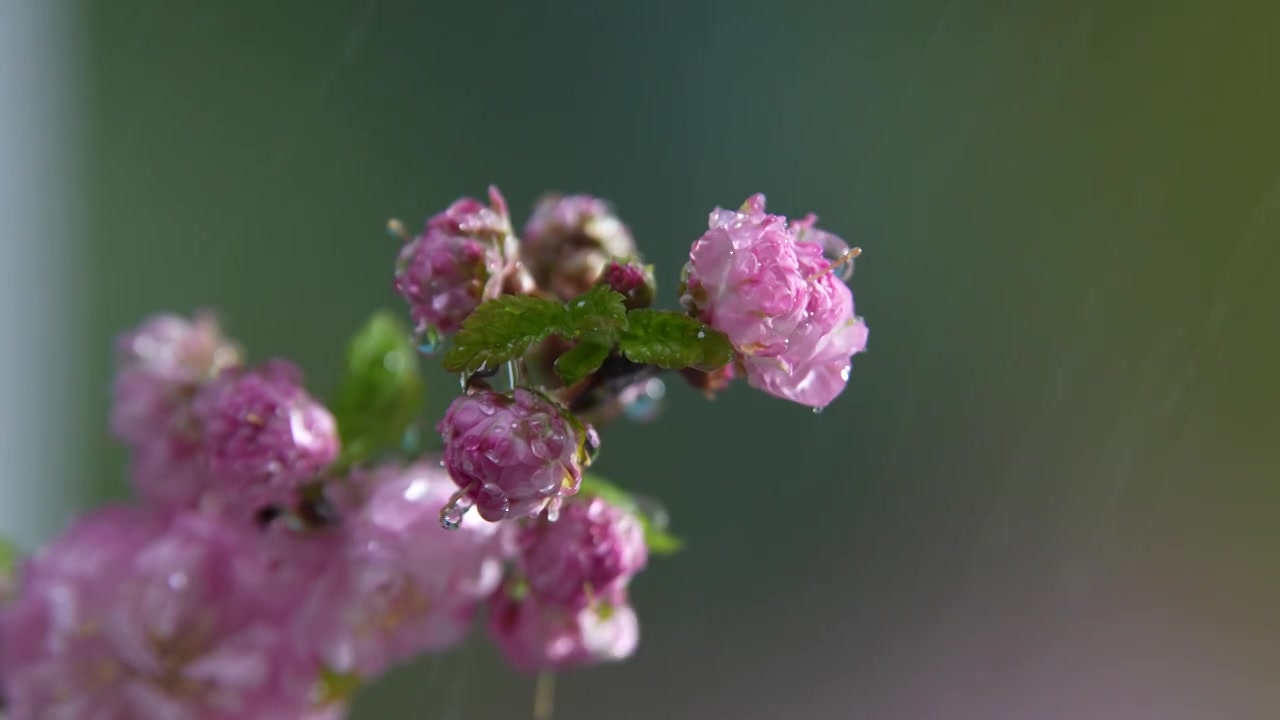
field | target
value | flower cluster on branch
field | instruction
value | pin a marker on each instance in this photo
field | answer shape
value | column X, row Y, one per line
column 284, row 549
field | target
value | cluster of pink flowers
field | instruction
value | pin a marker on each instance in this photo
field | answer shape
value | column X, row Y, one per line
column 264, row 568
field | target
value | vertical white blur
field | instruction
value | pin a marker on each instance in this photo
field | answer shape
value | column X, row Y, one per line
column 40, row 281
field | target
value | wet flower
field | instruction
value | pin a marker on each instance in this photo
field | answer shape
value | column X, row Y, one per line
column 127, row 616
column 264, row 436
column 513, row 454
column 592, row 549
column 769, row 287
column 464, row 256
column 404, row 585
column 159, row 366
column 570, row 240
column 535, row 636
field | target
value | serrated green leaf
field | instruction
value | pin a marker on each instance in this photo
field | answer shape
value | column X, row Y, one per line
column 657, row 539
column 505, row 328
column 501, row 330
column 598, row 311
column 673, row 340
column 381, row 390
column 581, row 360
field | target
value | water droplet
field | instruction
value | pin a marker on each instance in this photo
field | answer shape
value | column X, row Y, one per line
column 553, row 509
column 702, row 334
column 844, row 373
column 653, row 510
column 591, row 445
column 451, row 514
column 411, row 441
column 642, row 402
column 428, row 342
column 582, row 303
column 818, row 410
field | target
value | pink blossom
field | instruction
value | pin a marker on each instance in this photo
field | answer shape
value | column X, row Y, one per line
column 264, row 436
column 461, row 258
column 512, row 454
column 128, row 617
column 632, row 280
column 405, row 584
column 171, row 472
column 534, row 636
column 570, row 239
column 592, row 549
column 768, row 286
column 160, row 364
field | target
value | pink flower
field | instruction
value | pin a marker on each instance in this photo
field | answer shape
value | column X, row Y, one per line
column 264, row 436
column 632, row 280
column 771, row 290
column 171, row 472
column 160, row 365
column 512, row 454
column 405, row 585
column 592, row 549
column 130, row 617
column 462, row 258
column 570, row 239
column 534, row 636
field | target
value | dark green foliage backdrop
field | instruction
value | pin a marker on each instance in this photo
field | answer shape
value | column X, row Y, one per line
column 1048, row 491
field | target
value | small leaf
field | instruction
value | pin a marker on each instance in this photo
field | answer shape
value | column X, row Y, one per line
column 502, row 329
column 505, row 328
column 381, row 390
column 336, row 687
column 598, row 311
column 659, row 541
column 673, row 340
column 656, row 538
column 581, row 360
column 9, row 560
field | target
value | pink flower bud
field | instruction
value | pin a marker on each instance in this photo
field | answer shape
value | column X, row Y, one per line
column 534, row 636
column 570, row 239
column 264, row 436
column 512, row 454
column 462, row 258
column 159, row 367
column 592, row 549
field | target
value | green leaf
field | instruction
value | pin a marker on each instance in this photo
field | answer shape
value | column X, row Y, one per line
column 9, row 558
column 500, row 330
column 505, row 328
column 336, row 687
column 673, row 340
column 381, row 390
column 581, row 360
column 656, row 537
column 598, row 311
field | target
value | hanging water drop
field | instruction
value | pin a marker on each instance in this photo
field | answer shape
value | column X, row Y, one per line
column 642, row 402
column 818, row 410
column 411, row 441
column 451, row 514
column 652, row 510
column 428, row 342
column 450, row 519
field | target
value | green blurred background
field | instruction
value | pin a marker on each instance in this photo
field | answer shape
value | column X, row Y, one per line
column 1048, row 491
